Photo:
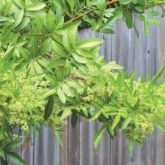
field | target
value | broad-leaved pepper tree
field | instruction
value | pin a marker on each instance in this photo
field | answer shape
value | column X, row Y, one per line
column 48, row 74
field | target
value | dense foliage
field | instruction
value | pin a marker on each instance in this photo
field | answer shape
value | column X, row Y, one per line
column 47, row 74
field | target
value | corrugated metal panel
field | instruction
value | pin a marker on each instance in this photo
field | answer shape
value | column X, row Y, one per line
column 135, row 54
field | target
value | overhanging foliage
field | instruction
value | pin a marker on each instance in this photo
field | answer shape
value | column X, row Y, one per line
column 47, row 74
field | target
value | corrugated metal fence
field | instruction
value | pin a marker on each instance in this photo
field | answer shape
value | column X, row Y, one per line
column 141, row 55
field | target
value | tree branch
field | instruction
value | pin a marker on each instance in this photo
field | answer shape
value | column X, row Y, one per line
column 88, row 12
column 77, row 17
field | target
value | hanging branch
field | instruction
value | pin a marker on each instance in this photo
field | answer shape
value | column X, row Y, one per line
column 88, row 12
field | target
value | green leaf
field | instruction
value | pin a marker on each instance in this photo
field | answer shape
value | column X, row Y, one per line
column 146, row 25
column 36, row 6
column 110, row 131
column 67, row 112
column 2, row 154
column 136, row 30
column 79, row 59
column 130, row 145
column 125, row 2
column 67, row 90
column 74, row 84
column 20, row 3
column 49, row 93
column 142, row 18
column 13, row 145
column 139, row 9
column 84, row 53
column 125, row 123
column 74, row 119
column 61, row 95
column 73, row 35
column 15, row 158
column 3, row 19
column 50, row 20
column 107, row 31
column 153, row 22
column 19, row 18
column 96, row 114
column 67, row 41
column 98, row 136
column 158, row 75
column 147, row 29
column 129, row 18
column 59, row 49
column 71, row 4
column 49, row 107
column 153, row 13
column 111, row 66
column 91, row 42
column 65, row 7
column 23, row 23
column 116, row 121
